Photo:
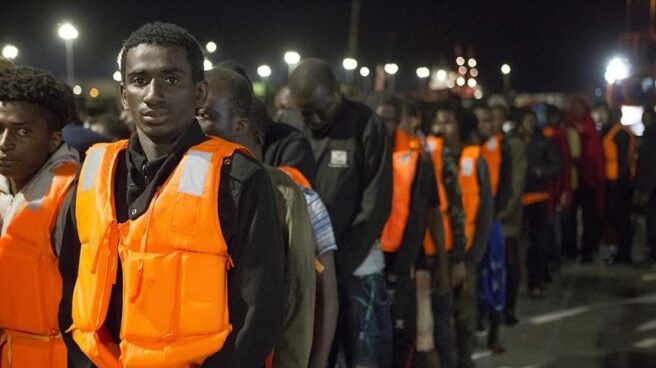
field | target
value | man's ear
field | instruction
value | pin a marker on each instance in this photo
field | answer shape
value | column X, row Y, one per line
column 55, row 141
column 201, row 93
column 124, row 97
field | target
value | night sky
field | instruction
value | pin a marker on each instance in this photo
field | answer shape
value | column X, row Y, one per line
column 552, row 45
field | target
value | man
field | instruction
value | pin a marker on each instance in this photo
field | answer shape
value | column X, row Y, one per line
column 193, row 286
column 284, row 145
column 644, row 197
column 36, row 172
column 543, row 165
column 496, row 153
column 230, row 92
column 460, row 132
column 415, row 207
column 354, row 179
column 446, row 174
column 619, row 146
column 74, row 133
column 589, row 195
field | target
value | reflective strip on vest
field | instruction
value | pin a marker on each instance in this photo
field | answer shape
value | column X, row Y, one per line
column 491, row 153
column 91, row 167
column 197, row 164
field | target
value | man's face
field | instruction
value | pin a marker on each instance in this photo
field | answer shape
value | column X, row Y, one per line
column 528, row 125
column 484, row 117
column 26, row 140
column 445, row 126
column 159, row 92
column 498, row 118
column 319, row 108
column 282, row 99
column 217, row 116
column 388, row 114
column 600, row 115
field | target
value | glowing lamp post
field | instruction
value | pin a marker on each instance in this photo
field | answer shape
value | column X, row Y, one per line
column 68, row 33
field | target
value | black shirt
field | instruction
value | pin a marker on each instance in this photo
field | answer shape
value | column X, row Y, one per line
column 354, row 179
column 247, row 216
column 286, row 146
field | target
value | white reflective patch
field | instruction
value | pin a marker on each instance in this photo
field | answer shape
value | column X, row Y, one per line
column 492, row 144
column 196, row 167
column 467, row 166
column 91, row 167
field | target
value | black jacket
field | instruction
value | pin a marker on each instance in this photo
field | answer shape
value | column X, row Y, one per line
column 543, row 163
column 354, row 179
column 246, row 212
column 645, row 180
column 286, row 146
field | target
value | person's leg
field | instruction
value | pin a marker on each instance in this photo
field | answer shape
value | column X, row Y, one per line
column 426, row 356
column 591, row 227
column 570, row 229
column 624, row 225
column 512, row 278
column 370, row 323
column 404, row 316
column 465, row 319
column 443, row 334
column 533, row 261
column 650, row 224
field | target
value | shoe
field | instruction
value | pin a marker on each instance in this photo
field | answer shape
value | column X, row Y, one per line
column 511, row 320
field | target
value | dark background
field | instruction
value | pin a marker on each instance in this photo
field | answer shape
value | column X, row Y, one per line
column 552, row 45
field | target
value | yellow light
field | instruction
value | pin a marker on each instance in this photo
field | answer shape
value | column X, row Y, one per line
column 94, row 92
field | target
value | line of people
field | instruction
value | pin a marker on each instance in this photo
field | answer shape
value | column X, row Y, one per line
column 338, row 235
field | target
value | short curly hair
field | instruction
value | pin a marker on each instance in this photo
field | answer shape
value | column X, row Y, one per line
column 166, row 34
column 37, row 86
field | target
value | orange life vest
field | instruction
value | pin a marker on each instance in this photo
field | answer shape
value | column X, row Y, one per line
column 404, row 168
column 296, row 175
column 174, row 260
column 469, row 186
column 491, row 153
column 611, row 156
column 435, row 146
column 30, row 283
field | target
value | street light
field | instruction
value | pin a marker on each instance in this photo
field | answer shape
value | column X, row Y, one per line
column 391, row 69
column 460, row 60
column 117, row 76
column 423, row 72
column 10, row 52
column 207, row 65
column 473, row 72
column 441, row 75
column 77, row 90
column 460, row 81
column 210, row 47
column 617, row 69
column 364, row 72
column 68, row 33
column 264, row 71
column 505, row 70
column 471, row 62
column 349, row 64
column 292, row 58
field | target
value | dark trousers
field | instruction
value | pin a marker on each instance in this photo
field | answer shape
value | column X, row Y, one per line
column 619, row 228
column 650, row 222
column 443, row 334
column 586, row 198
column 465, row 315
column 513, row 267
column 402, row 292
column 364, row 326
column 569, row 232
column 536, row 226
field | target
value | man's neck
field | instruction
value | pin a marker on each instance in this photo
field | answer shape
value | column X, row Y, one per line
column 153, row 149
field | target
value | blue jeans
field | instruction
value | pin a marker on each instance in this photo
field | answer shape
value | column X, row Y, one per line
column 364, row 329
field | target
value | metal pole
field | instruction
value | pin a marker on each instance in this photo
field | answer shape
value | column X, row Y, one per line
column 506, row 88
column 70, row 68
column 391, row 85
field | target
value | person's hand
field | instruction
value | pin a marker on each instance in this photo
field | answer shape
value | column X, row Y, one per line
column 458, row 273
